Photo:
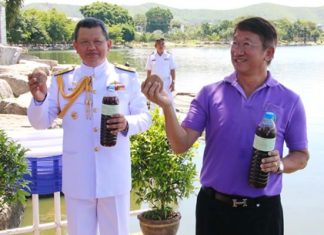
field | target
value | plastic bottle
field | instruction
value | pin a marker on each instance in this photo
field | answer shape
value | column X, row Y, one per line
column 264, row 141
column 110, row 106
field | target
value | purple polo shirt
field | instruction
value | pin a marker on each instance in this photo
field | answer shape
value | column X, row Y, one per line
column 230, row 119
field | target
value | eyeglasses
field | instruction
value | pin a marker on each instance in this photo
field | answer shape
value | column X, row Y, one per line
column 97, row 43
column 243, row 45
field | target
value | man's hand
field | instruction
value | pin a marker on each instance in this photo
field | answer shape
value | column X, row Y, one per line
column 37, row 84
column 271, row 163
column 154, row 92
column 117, row 123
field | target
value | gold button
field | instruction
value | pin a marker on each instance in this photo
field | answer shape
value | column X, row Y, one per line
column 96, row 149
column 94, row 110
column 95, row 129
column 94, row 91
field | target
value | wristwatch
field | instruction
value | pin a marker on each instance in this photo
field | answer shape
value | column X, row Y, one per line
column 281, row 167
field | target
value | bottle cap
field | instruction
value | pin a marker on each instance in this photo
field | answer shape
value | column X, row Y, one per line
column 269, row 115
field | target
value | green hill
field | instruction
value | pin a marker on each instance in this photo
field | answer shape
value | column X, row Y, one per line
column 266, row 10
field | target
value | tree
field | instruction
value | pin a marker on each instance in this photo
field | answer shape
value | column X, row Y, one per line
column 59, row 27
column 41, row 27
column 158, row 19
column 111, row 14
column 140, row 21
column 12, row 11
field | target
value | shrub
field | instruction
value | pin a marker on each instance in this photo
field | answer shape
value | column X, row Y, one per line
column 13, row 166
column 160, row 177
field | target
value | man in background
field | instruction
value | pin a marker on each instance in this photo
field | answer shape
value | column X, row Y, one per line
column 161, row 63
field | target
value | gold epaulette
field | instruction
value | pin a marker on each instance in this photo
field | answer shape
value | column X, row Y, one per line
column 63, row 71
column 125, row 68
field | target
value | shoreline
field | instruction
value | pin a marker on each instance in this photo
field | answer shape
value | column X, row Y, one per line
column 170, row 44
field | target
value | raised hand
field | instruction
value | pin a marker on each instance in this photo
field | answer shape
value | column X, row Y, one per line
column 37, row 84
column 152, row 88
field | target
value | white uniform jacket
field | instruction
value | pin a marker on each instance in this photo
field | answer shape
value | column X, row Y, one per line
column 161, row 65
column 89, row 169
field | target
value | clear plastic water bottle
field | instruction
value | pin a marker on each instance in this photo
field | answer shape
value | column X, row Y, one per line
column 110, row 106
column 264, row 141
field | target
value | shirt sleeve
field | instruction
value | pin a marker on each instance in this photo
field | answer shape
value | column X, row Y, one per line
column 42, row 114
column 296, row 132
column 196, row 118
column 139, row 118
column 172, row 63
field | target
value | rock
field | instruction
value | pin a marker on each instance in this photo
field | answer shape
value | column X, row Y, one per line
column 9, row 55
column 16, row 75
column 16, row 105
column 182, row 101
column 24, row 67
column 13, row 121
column 5, row 90
column 51, row 63
column 17, row 82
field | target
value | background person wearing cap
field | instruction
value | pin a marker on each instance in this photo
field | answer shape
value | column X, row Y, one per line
column 161, row 63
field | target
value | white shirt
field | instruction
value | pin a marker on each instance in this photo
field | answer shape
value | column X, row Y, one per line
column 89, row 169
column 161, row 65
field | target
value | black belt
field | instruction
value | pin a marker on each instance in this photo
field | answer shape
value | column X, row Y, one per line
column 239, row 201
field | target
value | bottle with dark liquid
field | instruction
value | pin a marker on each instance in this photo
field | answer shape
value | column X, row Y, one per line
column 264, row 141
column 110, row 106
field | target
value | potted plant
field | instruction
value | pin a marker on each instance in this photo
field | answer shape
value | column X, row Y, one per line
column 13, row 186
column 160, row 178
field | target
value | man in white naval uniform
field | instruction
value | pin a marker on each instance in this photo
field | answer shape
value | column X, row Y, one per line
column 96, row 179
column 161, row 63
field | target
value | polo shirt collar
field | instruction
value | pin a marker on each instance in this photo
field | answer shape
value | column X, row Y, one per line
column 270, row 81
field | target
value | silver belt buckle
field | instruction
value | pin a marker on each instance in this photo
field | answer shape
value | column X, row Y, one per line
column 242, row 203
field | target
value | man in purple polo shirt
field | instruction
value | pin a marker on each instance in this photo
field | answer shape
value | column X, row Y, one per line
column 229, row 112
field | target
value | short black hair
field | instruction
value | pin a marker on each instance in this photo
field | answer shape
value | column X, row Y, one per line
column 90, row 22
column 261, row 27
column 159, row 39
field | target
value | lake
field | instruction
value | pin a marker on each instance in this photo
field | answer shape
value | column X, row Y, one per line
column 299, row 68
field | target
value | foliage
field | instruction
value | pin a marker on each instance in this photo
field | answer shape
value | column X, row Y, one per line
column 12, row 10
column 111, row 14
column 41, row 27
column 158, row 19
column 140, row 21
column 13, row 167
column 160, row 177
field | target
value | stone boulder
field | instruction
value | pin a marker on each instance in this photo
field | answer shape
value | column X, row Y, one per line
column 17, row 82
column 9, row 55
column 24, row 67
column 16, row 105
column 50, row 63
column 5, row 90
column 40, row 63
column 16, row 75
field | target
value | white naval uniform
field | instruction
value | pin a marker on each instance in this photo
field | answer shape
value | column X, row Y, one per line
column 91, row 171
column 162, row 65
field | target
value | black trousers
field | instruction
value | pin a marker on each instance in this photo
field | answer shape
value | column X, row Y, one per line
column 214, row 217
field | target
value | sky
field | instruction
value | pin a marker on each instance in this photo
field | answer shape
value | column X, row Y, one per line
column 193, row 4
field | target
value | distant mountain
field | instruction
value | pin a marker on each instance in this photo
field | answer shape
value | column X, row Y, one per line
column 72, row 11
column 266, row 10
